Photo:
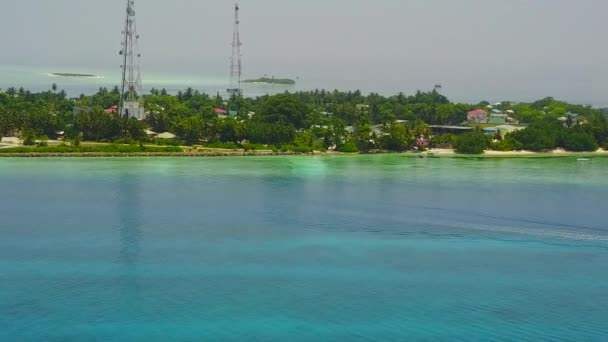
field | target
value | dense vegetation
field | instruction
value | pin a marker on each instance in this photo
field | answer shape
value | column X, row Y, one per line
column 472, row 143
column 303, row 121
column 92, row 149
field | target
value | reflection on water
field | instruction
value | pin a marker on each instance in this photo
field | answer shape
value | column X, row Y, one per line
column 130, row 218
column 128, row 206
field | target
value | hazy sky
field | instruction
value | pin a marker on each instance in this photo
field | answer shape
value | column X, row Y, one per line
column 477, row 49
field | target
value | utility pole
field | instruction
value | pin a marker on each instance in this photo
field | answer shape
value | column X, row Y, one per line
column 236, row 64
column 131, row 99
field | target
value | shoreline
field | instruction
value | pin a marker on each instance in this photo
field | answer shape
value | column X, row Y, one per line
column 434, row 153
column 558, row 153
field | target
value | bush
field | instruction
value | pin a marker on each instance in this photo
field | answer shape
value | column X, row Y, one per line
column 258, row 147
column 539, row 136
column 471, row 143
column 222, row 145
column 28, row 140
column 507, row 144
column 443, row 140
column 90, row 149
column 349, row 147
column 167, row 142
column 296, row 148
column 535, row 139
column 577, row 142
column 318, row 146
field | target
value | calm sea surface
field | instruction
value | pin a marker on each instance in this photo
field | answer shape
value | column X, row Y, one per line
column 355, row 248
column 39, row 79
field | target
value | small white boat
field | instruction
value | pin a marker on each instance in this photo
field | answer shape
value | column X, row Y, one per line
column 583, row 159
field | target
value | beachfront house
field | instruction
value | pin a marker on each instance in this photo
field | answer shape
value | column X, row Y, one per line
column 477, row 116
column 422, row 142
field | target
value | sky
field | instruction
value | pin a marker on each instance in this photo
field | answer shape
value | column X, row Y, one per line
column 477, row 49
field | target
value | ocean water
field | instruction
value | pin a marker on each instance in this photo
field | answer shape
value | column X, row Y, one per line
column 357, row 248
column 40, row 78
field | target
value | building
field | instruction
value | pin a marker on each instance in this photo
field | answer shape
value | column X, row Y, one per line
column 477, row 116
column 490, row 131
column 113, row 109
column 422, row 142
column 502, row 129
column 443, row 129
column 166, row 136
column 221, row 113
column 571, row 119
column 498, row 118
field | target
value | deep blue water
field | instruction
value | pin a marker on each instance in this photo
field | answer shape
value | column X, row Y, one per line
column 358, row 248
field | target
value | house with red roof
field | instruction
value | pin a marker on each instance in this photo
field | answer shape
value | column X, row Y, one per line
column 477, row 116
column 222, row 113
column 113, row 109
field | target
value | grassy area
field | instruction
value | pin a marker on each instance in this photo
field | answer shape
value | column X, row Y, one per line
column 222, row 145
column 91, row 149
column 246, row 147
column 259, row 147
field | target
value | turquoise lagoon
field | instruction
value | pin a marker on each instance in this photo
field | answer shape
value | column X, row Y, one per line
column 354, row 248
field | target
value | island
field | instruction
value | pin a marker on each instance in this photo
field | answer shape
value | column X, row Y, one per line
column 300, row 122
column 269, row 80
column 68, row 74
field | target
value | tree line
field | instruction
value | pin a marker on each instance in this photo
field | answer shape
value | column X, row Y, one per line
column 301, row 121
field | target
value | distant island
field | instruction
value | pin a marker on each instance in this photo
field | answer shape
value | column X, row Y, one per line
column 68, row 74
column 269, row 80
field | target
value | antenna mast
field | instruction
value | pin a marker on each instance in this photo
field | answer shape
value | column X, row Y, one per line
column 236, row 64
column 131, row 100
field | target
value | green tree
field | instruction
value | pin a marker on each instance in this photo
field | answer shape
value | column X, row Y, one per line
column 396, row 137
column 283, row 108
column 577, row 141
column 471, row 143
column 364, row 138
column 190, row 129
